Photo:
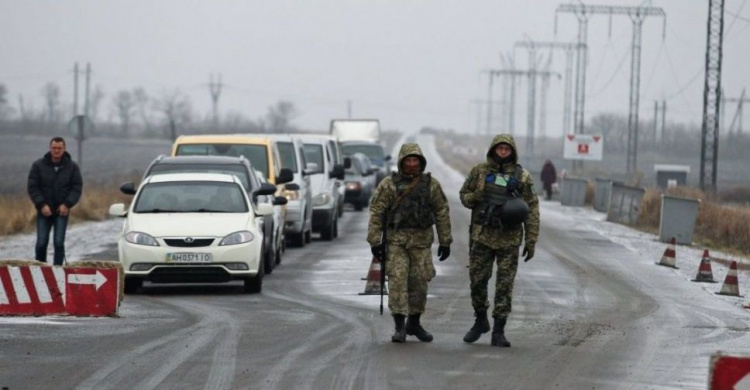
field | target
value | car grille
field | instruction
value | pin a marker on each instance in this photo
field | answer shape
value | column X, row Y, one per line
column 180, row 242
column 194, row 274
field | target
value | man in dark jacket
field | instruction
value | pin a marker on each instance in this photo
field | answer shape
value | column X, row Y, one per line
column 54, row 186
column 549, row 177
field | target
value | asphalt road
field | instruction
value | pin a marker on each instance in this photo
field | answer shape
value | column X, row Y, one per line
column 586, row 315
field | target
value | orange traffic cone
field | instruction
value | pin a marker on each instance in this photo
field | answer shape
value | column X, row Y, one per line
column 373, row 280
column 704, row 270
column 731, row 287
column 669, row 257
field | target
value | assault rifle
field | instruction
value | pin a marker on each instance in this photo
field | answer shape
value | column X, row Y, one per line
column 382, row 260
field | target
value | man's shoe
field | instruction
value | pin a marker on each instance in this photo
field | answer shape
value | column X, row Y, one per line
column 400, row 335
column 481, row 325
column 413, row 328
column 498, row 333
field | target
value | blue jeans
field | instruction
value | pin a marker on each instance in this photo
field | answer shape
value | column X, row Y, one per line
column 43, row 227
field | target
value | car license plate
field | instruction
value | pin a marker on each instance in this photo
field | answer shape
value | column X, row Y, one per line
column 188, row 257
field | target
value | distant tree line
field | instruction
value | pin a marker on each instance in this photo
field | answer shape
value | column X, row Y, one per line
column 134, row 113
column 676, row 138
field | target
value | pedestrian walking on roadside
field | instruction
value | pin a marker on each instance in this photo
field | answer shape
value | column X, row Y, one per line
column 549, row 177
column 407, row 204
column 55, row 186
column 504, row 213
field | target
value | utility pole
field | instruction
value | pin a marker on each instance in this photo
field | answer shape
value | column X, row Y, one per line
column 712, row 95
column 214, row 88
column 663, row 119
column 75, row 89
column 737, row 115
column 569, row 49
column 489, row 104
column 637, row 16
column 87, row 91
column 543, row 103
column 531, row 74
column 509, row 63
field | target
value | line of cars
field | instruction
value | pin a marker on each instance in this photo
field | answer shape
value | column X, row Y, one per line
column 224, row 207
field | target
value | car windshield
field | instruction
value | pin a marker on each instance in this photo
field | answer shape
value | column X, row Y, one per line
column 191, row 197
column 257, row 154
column 288, row 157
column 354, row 169
column 314, row 154
column 373, row 151
column 239, row 171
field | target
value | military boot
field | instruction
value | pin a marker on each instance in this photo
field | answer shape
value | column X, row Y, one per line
column 481, row 325
column 400, row 335
column 498, row 333
column 413, row 328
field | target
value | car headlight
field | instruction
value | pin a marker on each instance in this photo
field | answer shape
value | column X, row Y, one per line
column 237, row 238
column 291, row 194
column 353, row 185
column 140, row 239
column 321, row 199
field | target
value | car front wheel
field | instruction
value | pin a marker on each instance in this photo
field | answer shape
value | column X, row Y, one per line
column 132, row 285
column 254, row 284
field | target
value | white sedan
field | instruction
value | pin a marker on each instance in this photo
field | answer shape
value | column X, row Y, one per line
column 191, row 228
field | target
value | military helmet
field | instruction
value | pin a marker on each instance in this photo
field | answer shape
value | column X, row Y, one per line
column 515, row 212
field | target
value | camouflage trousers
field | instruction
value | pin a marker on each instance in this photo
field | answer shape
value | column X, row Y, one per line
column 409, row 270
column 481, row 261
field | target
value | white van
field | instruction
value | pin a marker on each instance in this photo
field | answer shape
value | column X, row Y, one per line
column 326, row 183
column 299, row 209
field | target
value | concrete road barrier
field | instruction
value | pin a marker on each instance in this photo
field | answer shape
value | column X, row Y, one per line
column 31, row 288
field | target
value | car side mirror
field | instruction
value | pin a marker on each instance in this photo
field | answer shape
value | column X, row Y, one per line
column 280, row 201
column 347, row 162
column 311, row 169
column 117, row 210
column 338, row 172
column 285, row 176
column 128, row 188
column 266, row 189
column 291, row 187
column 264, row 209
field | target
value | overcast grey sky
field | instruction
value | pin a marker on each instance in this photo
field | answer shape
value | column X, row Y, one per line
column 409, row 63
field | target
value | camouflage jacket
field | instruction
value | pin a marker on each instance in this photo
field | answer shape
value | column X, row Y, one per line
column 383, row 201
column 494, row 237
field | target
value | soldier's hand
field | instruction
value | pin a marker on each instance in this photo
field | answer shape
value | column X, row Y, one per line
column 528, row 252
column 378, row 251
column 444, row 252
column 477, row 196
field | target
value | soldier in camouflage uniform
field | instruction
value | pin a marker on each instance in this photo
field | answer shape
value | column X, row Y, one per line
column 493, row 191
column 409, row 201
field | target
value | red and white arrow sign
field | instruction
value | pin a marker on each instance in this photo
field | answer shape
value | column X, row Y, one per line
column 729, row 372
column 97, row 279
column 43, row 290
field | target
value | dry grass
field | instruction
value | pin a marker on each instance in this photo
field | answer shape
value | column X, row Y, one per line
column 718, row 226
column 19, row 215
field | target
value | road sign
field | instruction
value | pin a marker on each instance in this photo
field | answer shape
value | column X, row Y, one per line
column 44, row 290
column 729, row 372
column 583, row 147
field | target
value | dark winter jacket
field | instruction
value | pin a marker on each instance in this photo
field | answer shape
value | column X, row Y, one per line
column 549, row 175
column 52, row 188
